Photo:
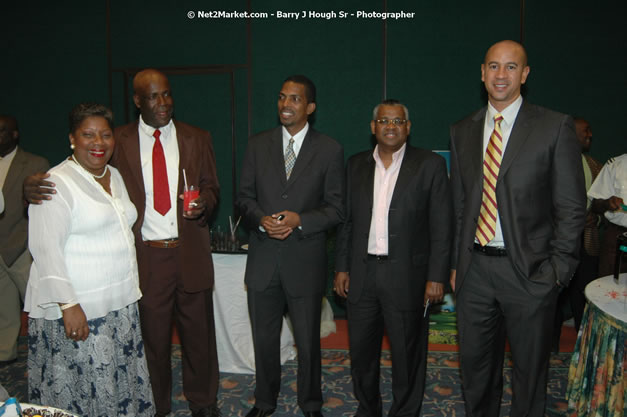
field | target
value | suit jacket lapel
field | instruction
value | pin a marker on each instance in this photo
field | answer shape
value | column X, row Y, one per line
column 475, row 148
column 368, row 182
column 409, row 166
column 15, row 169
column 276, row 155
column 184, row 153
column 520, row 131
column 128, row 147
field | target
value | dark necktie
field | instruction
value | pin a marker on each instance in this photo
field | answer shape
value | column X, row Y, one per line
column 160, row 185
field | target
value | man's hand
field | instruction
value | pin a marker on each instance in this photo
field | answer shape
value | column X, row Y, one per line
column 341, row 284
column 36, row 188
column 280, row 229
column 434, row 293
column 613, row 203
column 452, row 278
column 75, row 323
column 197, row 208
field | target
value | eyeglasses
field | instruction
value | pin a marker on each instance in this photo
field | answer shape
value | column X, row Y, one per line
column 396, row 122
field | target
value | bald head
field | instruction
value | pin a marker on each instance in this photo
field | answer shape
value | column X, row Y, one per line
column 509, row 44
column 153, row 97
column 9, row 134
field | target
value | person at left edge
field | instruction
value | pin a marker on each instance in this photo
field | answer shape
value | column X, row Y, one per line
column 173, row 249
column 286, row 263
column 15, row 259
column 393, row 254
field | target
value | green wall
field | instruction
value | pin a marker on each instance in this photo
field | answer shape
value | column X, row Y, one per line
column 55, row 56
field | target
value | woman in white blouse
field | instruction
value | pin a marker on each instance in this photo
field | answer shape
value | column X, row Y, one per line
column 86, row 354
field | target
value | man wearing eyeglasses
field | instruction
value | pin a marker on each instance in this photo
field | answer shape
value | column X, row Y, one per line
column 392, row 258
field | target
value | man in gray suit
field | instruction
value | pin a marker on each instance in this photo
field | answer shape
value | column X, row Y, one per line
column 393, row 253
column 290, row 195
column 15, row 259
column 520, row 208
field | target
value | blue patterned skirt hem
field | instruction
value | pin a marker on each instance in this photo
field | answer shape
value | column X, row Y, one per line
column 105, row 375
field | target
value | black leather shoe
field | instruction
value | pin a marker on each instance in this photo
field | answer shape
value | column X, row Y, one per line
column 312, row 414
column 212, row 411
column 256, row 412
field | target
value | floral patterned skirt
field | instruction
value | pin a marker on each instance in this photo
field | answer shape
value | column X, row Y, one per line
column 105, row 375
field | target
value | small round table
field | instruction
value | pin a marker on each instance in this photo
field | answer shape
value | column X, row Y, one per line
column 597, row 381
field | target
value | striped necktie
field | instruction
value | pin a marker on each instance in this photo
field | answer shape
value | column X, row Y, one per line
column 486, row 225
column 290, row 158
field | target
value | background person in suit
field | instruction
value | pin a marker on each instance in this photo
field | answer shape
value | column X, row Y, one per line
column 393, row 252
column 294, row 172
column 173, row 246
column 517, row 242
column 15, row 259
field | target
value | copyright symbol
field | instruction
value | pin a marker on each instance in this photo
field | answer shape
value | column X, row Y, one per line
column 191, row 15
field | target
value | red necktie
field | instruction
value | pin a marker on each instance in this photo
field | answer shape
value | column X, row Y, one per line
column 160, row 186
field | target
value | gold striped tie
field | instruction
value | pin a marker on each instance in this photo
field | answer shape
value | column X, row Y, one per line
column 486, row 225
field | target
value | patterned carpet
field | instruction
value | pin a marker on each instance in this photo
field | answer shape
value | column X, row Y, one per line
column 442, row 396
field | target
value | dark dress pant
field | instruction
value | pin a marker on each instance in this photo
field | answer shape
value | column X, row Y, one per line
column 495, row 303
column 266, row 309
column 407, row 331
column 163, row 303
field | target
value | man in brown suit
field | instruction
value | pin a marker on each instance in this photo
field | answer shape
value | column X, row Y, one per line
column 173, row 246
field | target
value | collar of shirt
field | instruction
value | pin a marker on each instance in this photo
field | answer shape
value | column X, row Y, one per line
column 298, row 138
column 397, row 157
column 149, row 130
column 509, row 117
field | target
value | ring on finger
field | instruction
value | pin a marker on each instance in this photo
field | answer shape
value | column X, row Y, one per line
column 74, row 333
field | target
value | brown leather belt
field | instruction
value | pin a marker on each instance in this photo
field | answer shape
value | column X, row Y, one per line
column 163, row 244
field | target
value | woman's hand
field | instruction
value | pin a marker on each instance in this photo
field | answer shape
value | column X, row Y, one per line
column 75, row 323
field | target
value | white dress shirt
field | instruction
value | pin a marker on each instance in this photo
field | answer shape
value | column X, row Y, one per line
column 82, row 245
column 156, row 226
column 509, row 118
column 384, row 183
column 612, row 181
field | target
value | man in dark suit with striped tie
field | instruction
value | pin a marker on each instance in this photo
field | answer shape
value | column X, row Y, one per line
column 520, row 206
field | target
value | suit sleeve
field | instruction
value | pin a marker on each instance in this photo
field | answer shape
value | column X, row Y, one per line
column 568, row 201
column 440, row 224
column 331, row 211
column 209, row 187
column 247, row 202
column 345, row 229
column 457, row 201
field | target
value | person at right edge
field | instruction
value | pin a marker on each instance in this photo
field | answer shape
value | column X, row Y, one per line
column 520, row 208
column 609, row 196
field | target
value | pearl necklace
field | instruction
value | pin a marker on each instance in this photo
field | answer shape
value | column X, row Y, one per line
column 95, row 176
